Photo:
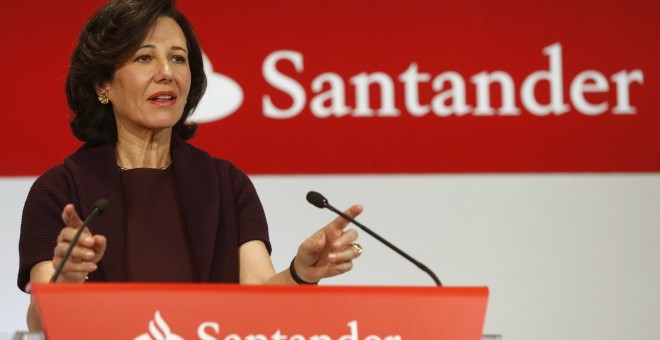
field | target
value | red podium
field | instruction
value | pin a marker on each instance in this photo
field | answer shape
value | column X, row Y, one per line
column 235, row 312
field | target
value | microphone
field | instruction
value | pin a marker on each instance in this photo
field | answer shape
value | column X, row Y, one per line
column 97, row 209
column 321, row 202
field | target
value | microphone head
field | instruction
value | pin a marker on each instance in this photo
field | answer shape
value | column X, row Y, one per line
column 317, row 199
column 102, row 205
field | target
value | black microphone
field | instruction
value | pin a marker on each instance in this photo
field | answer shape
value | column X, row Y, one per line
column 99, row 207
column 319, row 201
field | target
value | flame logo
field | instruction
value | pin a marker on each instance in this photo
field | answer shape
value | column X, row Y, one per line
column 223, row 96
column 158, row 330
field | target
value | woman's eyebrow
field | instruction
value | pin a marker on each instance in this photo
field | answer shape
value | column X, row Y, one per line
column 179, row 48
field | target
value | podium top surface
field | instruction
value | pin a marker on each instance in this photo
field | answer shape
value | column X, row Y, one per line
column 227, row 311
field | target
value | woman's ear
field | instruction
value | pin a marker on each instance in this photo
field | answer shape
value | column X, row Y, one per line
column 100, row 88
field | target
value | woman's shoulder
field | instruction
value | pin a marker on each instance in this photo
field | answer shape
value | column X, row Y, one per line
column 226, row 164
column 230, row 170
column 78, row 161
column 50, row 192
column 61, row 181
column 191, row 153
column 55, row 177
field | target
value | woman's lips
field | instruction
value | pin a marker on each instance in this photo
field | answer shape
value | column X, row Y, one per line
column 163, row 99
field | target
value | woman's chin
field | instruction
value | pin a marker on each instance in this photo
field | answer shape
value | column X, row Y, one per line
column 160, row 124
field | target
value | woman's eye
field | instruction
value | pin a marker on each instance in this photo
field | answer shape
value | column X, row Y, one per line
column 143, row 58
column 179, row 59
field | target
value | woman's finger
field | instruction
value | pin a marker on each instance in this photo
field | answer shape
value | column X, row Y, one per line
column 346, row 238
column 99, row 247
column 74, row 266
column 347, row 253
column 340, row 268
column 70, row 217
column 340, row 223
column 67, row 234
column 83, row 253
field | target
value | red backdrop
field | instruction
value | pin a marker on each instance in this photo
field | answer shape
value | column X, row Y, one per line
column 348, row 41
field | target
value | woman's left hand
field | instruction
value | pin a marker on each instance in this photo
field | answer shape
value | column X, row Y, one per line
column 330, row 251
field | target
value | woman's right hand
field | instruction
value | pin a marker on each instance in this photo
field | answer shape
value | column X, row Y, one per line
column 84, row 256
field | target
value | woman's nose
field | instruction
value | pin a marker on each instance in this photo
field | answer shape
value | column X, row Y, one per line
column 164, row 72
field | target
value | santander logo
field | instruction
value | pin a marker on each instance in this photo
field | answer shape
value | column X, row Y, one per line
column 326, row 95
column 328, row 91
column 158, row 330
column 222, row 98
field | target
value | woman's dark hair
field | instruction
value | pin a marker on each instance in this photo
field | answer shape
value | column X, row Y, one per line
column 108, row 39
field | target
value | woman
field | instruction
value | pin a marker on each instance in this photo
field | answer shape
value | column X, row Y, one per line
column 177, row 214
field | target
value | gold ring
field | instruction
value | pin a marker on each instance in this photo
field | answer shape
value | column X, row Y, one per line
column 358, row 247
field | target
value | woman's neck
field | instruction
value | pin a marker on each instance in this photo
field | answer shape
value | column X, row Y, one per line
column 147, row 150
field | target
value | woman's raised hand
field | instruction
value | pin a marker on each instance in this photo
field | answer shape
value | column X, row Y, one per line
column 328, row 252
column 84, row 256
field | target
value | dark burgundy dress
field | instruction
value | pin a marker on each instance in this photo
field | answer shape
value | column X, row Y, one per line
column 218, row 206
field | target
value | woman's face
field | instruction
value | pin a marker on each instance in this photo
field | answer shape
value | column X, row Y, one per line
column 149, row 91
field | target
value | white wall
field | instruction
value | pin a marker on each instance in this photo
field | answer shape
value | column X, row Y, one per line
column 13, row 192
column 564, row 256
